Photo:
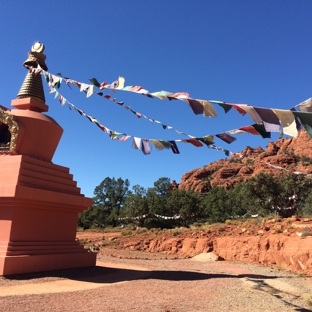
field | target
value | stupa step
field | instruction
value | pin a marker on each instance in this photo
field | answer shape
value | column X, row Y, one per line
column 26, row 162
column 22, row 248
column 38, row 174
column 38, row 263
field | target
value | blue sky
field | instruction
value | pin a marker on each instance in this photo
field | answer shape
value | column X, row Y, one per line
column 249, row 52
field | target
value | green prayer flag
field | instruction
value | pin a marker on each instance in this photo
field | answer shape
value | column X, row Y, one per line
column 306, row 121
column 166, row 144
column 225, row 107
column 208, row 139
column 261, row 129
column 95, row 82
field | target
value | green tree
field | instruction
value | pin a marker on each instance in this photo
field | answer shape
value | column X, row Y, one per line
column 136, row 203
column 238, row 200
column 306, row 209
column 94, row 217
column 186, row 204
column 110, row 196
column 157, row 196
column 262, row 193
column 294, row 190
column 217, row 206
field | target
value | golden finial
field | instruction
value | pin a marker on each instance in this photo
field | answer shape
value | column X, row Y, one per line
column 36, row 57
column 38, row 47
column 32, row 85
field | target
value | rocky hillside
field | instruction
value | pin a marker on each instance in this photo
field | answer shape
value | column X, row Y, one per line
column 290, row 153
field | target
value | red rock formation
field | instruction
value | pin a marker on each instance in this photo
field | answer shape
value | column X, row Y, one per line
column 292, row 253
column 285, row 243
column 286, row 153
column 174, row 185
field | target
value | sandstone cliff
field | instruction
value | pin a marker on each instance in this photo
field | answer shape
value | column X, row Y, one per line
column 289, row 153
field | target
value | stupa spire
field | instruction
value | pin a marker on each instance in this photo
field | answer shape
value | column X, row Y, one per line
column 32, row 85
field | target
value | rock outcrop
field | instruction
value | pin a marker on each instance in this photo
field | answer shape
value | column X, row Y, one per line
column 285, row 243
column 293, row 253
column 289, row 153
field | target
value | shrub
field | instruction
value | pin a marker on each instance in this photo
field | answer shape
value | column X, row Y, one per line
column 176, row 232
column 233, row 222
column 221, row 228
column 306, row 232
column 126, row 232
column 235, row 160
column 141, row 230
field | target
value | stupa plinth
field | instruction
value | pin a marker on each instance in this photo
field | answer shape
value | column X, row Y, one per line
column 39, row 200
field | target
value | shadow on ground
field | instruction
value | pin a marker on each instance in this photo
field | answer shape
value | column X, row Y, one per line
column 107, row 275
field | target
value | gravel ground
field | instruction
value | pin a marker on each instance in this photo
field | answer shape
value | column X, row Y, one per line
column 136, row 281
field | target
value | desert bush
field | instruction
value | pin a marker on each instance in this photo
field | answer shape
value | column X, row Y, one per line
column 196, row 225
column 221, row 228
column 156, row 230
column 233, row 222
column 176, row 232
column 306, row 232
column 141, row 230
column 126, row 232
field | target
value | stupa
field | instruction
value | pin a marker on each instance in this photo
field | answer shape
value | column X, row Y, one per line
column 39, row 200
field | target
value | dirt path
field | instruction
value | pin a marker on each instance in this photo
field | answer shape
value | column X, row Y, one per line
column 125, row 281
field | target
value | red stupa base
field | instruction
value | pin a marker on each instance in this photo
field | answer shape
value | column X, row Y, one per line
column 39, row 206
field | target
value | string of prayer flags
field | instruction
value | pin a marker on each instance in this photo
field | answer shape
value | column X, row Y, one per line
column 285, row 169
column 84, row 87
column 273, row 119
column 143, row 144
column 265, row 120
column 198, row 106
column 175, row 217
column 138, row 143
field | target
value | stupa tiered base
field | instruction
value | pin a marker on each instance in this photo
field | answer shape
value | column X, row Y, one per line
column 39, row 206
